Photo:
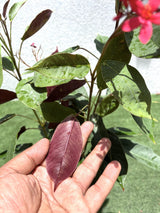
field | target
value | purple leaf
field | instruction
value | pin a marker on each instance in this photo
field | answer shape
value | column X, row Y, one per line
column 65, row 150
column 58, row 92
column 37, row 23
column 6, row 95
column 5, row 8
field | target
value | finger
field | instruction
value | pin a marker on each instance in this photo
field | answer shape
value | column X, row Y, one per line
column 86, row 129
column 86, row 172
column 26, row 161
column 97, row 193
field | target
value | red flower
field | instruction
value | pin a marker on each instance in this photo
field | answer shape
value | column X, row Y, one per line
column 146, row 14
column 125, row 2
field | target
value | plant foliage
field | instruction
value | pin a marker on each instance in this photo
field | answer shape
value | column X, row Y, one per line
column 56, row 89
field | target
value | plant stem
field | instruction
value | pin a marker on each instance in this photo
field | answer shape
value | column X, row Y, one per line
column 90, row 97
column 14, row 75
column 41, row 124
column 81, row 48
column 98, row 97
column 10, row 49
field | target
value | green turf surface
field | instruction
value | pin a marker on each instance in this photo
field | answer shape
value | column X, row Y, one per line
column 142, row 186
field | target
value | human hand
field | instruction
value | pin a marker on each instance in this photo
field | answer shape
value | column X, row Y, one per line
column 25, row 185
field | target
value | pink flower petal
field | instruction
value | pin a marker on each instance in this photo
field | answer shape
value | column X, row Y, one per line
column 131, row 24
column 137, row 6
column 154, row 4
column 146, row 32
column 155, row 19
column 125, row 2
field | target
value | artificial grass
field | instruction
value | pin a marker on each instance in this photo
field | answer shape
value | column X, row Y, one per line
column 142, row 186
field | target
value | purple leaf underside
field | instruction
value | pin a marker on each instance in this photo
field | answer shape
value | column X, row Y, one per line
column 6, row 95
column 58, row 92
column 65, row 150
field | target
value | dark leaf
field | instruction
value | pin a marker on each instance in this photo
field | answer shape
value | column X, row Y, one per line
column 116, row 152
column 37, row 23
column 7, row 63
column 6, row 95
column 6, row 118
column 55, row 112
column 100, row 42
column 58, row 92
column 23, row 129
column 5, row 8
column 118, row 43
column 65, row 150
column 21, row 147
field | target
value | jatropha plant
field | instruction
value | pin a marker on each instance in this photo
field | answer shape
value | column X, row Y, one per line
column 53, row 99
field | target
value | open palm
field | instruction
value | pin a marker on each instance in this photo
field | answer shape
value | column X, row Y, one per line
column 26, row 187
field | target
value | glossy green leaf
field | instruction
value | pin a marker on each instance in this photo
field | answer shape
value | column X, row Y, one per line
column 1, row 69
column 29, row 95
column 7, row 63
column 108, row 105
column 59, row 69
column 149, row 50
column 142, row 153
column 128, row 87
column 39, row 21
column 55, row 112
column 114, row 49
column 14, row 9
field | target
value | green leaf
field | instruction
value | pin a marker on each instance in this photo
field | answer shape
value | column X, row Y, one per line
column 114, row 49
column 59, row 69
column 142, row 153
column 7, row 63
column 71, row 49
column 1, row 69
column 24, row 116
column 146, row 125
column 14, row 9
column 29, row 95
column 39, row 21
column 100, row 42
column 108, row 105
column 155, row 37
column 6, row 118
column 55, row 112
column 128, row 87
column 149, row 50
column 116, row 152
